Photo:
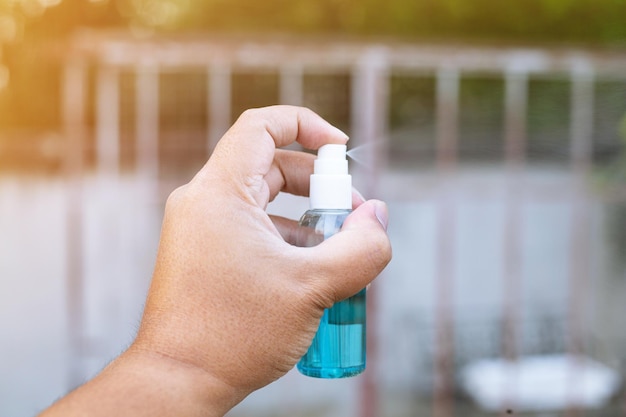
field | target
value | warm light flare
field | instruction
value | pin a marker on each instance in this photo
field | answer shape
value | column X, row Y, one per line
column 49, row 3
column 4, row 77
column 30, row 8
column 160, row 13
column 8, row 28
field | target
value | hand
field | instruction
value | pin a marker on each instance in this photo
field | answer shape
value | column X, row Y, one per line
column 232, row 301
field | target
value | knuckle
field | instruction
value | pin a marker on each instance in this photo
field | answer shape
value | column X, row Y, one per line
column 246, row 114
column 255, row 118
column 176, row 197
column 251, row 114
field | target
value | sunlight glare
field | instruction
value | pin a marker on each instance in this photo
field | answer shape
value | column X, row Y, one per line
column 4, row 77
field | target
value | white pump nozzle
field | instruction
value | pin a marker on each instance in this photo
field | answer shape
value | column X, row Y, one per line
column 331, row 185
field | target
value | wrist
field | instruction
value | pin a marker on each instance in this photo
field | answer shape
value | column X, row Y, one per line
column 176, row 381
column 147, row 383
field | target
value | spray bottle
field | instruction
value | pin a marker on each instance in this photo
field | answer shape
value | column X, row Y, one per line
column 338, row 349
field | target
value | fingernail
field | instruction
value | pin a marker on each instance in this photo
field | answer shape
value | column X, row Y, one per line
column 382, row 214
column 342, row 133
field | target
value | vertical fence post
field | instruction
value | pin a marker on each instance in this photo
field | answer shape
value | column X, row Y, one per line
column 147, row 113
column 581, row 120
column 515, row 103
column 369, row 105
column 107, row 121
column 147, row 158
column 291, row 84
column 220, row 100
column 447, row 101
column 369, row 112
column 109, row 227
column 74, row 91
column 581, row 131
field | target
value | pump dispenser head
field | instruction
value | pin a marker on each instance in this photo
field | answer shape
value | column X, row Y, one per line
column 331, row 185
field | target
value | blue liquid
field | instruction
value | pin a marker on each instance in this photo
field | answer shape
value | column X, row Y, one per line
column 338, row 348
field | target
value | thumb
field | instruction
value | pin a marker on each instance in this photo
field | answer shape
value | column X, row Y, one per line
column 352, row 258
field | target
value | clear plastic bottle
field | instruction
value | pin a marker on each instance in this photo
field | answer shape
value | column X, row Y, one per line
column 338, row 349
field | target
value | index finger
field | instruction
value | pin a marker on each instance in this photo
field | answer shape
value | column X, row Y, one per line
column 286, row 124
column 248, row 147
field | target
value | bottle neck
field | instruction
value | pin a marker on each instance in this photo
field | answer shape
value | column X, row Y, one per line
column 331, row 192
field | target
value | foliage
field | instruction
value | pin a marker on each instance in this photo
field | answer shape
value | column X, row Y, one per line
column 25, row 22
column 572, row 20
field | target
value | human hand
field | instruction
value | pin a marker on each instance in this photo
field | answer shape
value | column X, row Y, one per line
column 232, row 302
column 229, row 295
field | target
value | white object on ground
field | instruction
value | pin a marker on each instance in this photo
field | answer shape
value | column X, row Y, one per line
column 539, row 383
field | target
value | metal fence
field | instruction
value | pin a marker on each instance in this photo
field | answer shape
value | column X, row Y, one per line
column 158, row 107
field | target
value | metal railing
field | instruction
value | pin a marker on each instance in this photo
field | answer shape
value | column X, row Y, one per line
column 370, row 68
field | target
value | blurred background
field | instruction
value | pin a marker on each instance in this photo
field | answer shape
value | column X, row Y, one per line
column 496, row 131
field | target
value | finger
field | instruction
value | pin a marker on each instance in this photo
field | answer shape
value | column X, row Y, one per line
column 247, row 149
column 287, row 228
column 290, row 173
column 286, row 124
column 352, row 258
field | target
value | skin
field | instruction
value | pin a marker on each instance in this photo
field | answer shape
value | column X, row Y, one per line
column 233, row 304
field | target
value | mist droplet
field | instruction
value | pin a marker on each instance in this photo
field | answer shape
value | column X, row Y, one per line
column 364, row 154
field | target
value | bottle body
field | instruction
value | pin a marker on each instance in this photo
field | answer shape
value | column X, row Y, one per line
column 338, row 349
